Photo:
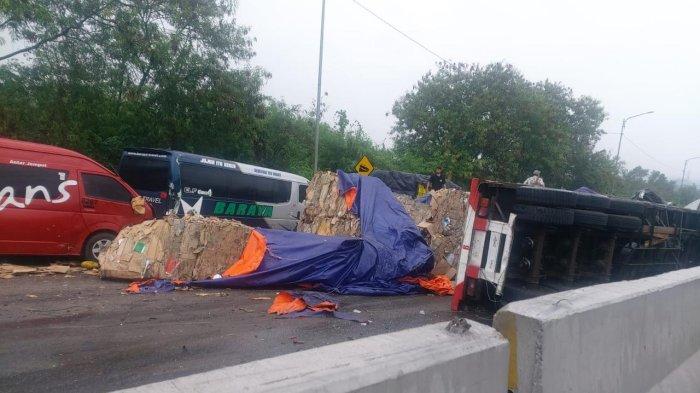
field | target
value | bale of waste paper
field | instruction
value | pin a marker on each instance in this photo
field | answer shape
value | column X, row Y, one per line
column 325, row 212
column 418, row 211
column 445, row 227
column 188, row 248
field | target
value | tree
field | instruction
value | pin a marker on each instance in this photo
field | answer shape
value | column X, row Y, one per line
column 463, row 112
column 106, row 74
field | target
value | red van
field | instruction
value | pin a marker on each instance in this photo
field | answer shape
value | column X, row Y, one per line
column 55, row 201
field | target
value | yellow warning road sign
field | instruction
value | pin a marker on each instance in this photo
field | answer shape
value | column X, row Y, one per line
column 364, row 167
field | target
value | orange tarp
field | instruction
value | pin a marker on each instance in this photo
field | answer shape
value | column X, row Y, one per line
column 285, row 303
column 251, row 257
column 439, row 285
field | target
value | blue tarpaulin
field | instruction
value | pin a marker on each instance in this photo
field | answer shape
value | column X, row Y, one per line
column 390, row 247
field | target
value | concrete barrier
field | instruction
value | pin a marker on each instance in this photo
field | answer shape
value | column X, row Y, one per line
column 625, row 337
column 420, row 360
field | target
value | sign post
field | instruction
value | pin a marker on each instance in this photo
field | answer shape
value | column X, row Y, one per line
column 364, row 167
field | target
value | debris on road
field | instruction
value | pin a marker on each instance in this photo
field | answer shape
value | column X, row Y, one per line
column 9, row 270
column 90, row 265
column 458, row 325
column 299, row 304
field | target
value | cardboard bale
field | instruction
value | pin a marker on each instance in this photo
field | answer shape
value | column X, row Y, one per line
column 445, row 227
column 188, row 248
column 419, row 212
column 325, row 212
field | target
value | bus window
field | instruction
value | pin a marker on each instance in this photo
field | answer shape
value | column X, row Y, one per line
column 272, row 190
column 145, row 173
column 203, row 180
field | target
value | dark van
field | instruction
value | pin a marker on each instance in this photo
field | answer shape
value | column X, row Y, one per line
column 176, row 181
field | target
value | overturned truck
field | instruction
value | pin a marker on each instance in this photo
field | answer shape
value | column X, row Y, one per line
column 524, row 241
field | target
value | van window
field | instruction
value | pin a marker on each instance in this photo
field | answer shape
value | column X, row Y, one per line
column 145, row 173
column 20, row 176
column 225, row 183
column 302, row 192
column 104, row 187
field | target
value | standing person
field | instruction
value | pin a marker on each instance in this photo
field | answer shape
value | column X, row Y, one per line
column 437, row 179
column 535, row 180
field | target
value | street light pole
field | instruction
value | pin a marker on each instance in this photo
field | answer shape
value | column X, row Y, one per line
column 318, row 89
column 684, row 168
column 622, row 131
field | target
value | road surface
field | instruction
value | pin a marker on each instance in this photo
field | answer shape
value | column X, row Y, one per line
column 82, row 334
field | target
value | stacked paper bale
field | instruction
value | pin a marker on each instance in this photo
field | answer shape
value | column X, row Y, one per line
column 445, row 227
column 325, row 212
column 188, row 248
column 419, row 212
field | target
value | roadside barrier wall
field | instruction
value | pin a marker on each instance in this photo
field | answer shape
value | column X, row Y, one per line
column 624, row 337
column 421, row 360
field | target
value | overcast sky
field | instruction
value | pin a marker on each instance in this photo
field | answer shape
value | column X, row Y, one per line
column 634, row 56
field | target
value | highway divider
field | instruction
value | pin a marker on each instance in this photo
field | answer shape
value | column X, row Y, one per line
column 623, row 337
column 420, row 360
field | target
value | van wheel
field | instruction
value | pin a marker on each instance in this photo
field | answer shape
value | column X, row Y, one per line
column 96, row 244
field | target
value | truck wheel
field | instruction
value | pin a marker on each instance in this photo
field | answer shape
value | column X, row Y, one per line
column 624, row 223
column 544, row 215
column 545, row 196
column 95, row 244
column 627, row 207
column 590, row 218
column 592, row 201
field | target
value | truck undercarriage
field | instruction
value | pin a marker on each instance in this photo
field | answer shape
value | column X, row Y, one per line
column 523, row 241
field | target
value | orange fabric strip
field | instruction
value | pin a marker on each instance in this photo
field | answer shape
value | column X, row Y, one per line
column 285, row 303
column 325, row 306
column 350, row 195
column 439, row 285
column 251, row 257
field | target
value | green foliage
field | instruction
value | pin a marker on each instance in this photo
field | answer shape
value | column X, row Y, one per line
column 463, row 112
column 131, row 73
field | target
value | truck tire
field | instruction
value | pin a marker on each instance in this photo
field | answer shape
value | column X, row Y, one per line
column 590, row 218
column 544, row 215
column 96, row 244
column 545, row 196
column 624, row 223
column 627, row 207
column 592, row 201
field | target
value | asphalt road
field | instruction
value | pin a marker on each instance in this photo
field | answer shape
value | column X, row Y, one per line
column 82, row 334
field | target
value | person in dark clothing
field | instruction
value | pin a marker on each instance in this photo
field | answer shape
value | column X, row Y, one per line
column 437, row 180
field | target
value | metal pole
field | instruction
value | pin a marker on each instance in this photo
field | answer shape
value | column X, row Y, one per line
column 685, row 166
column 619, row 143
column 318, row 90
column 622, row 131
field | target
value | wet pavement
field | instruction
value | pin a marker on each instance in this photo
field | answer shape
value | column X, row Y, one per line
column 82, row 334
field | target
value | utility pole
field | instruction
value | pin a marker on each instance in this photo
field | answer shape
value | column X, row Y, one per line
column 685, row 166
column 318, row 89
column 622, row 131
